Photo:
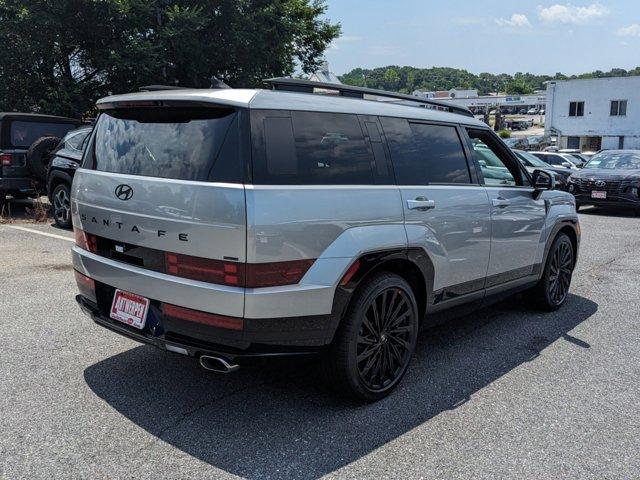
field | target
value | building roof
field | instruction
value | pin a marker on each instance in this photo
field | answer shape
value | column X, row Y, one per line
column 284, row 100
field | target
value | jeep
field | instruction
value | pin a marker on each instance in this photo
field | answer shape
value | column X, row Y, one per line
column 306, row 218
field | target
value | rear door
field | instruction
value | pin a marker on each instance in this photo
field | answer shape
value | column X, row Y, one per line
column 446, row 210
column 166, row 179
column 517, row 218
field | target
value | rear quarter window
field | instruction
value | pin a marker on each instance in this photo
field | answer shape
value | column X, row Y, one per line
column 310, row 148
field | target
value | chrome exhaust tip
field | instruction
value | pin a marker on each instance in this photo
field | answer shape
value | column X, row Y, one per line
column 217, row 364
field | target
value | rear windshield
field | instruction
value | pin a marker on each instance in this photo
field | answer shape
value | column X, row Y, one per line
column 179, row 143
column 22, row 134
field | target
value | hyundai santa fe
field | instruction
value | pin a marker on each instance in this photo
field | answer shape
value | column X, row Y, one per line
column 229, row 224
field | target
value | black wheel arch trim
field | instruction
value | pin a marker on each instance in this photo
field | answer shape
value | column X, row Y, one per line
column 56, row 177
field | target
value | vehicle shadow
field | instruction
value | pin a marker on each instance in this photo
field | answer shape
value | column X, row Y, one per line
column 276, row 420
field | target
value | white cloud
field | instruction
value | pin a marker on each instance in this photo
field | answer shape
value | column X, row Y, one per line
column 517, row 20
column 632, row 30
column 335, row 45
column 571, row 14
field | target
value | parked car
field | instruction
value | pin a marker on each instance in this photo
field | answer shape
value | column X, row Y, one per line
column 65, row 161
column 611, row 178
column 538, row 142
column 578, row 158
column 532, row 111
column 531, row 163
column 26, row 140
column 557, row 159
column 229, row 224
column 517, row 142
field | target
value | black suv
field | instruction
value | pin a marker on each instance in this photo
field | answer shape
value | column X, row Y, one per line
column 65, row 159
column 26, row 140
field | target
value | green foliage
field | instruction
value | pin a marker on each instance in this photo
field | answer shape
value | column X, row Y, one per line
column 408, row 79
column 504, row 134
column 60, row 56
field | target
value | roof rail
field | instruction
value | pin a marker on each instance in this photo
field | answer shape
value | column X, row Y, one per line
column 155, row 88
column 308, row 86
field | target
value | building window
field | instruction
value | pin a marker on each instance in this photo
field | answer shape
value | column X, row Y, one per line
column 576, row 109
column 618, row 108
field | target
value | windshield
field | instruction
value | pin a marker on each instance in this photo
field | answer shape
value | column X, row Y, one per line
column 615, row 160
column 532, row 160
column 179, row 143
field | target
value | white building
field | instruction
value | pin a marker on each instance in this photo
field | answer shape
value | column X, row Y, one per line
column 594, row 114
column 512, row 103
column 447, row 94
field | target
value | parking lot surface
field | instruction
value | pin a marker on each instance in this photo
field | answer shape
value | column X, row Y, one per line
column 505, row 392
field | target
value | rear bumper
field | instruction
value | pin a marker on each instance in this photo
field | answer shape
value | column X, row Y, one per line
column 17, row 184
column 258, row 337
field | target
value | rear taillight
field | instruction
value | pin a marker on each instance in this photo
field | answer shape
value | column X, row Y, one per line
column 204, row 269
column 86, row 241
column 211, row 319
column 86, row 285
column 253, row 275
column 6, row 159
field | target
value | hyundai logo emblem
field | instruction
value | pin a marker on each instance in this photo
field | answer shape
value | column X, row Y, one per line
column 600, row 183
column 124, row 192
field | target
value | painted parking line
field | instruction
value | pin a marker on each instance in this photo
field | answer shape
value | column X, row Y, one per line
column 45, row 234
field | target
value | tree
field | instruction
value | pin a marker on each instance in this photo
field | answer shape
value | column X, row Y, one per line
column 518, row 87
column 60, row 56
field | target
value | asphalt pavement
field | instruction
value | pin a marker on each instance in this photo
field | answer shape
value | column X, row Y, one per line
column 505, row 392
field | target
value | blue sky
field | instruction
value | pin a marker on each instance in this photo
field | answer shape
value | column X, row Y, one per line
column 487, row 35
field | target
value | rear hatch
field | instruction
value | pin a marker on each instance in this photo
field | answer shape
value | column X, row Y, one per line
column 161, row 188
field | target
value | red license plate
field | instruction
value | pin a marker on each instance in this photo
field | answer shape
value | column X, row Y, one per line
column 129, row 308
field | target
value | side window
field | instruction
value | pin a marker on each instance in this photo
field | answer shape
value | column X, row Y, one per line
column 424, row 153
column 496, row 166
column 576, row 109
column 311, row 148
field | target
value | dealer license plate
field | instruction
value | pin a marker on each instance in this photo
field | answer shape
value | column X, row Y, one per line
column 597, row 194
column 129, row 308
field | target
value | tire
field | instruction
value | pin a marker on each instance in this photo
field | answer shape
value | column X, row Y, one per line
column 38, row 156
column 552, row 289
column 384, row 356
column 61, row 205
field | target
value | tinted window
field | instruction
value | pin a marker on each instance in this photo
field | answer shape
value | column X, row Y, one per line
column 552, row 159
column 23, row 134
column 179, row 143
column 576, row 109
column 423, row 153
column 311, row 148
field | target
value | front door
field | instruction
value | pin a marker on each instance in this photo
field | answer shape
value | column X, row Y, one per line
column 517, row 218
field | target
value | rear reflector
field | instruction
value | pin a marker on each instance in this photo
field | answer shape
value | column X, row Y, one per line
column 6, row 159
column 86, row 285
column 350, row 273
column 86, row 241
column 220, row 321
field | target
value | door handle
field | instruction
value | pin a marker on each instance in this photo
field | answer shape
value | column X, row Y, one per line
column 500, row 202
column 420, row 203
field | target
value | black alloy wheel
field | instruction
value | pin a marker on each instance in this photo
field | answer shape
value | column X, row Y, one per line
column 560, row 272
column 374, row 343
column 553, row 288
column 384, row 341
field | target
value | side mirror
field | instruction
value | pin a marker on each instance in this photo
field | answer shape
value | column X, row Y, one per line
column 567, row 164
column 543, row 180
column 482, row 163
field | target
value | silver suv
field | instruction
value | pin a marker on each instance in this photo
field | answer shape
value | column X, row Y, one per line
column 228, row 224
